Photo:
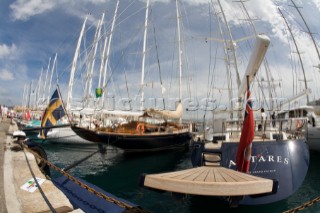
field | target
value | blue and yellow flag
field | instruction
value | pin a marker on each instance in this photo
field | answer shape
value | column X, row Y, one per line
column 53, row 113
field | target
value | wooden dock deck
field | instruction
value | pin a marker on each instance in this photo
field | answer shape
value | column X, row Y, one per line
column 210, row 181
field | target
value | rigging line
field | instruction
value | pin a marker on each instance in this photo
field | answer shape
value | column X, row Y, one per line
column 185, row 50
column 293, row 65
column 210, row 56
column 158, row 60
column 117, row 64
column 268, row 73
column 172, row 62
column 91, row 26
column 36, row 181
column 125, row 75
column 309, row 32
column 213, row 69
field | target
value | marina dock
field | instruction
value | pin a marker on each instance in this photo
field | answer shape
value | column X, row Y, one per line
column 15, row 172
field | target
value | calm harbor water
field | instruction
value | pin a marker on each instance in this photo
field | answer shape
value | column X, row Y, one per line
column 119, row 174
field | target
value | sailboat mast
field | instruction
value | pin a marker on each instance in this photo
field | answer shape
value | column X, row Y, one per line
column 268, row 74
column 226, row 61
column 24, row 97
column 102, row 60
column 297, row 49
column 52, row 69
column 231, row 44
column 179, row 49
column 144, row 55
column 108, row 52
column 45, row 82
column 29, row 97
column 39, row 87
column 309, row 32
column 96, row 42
column 73, row 68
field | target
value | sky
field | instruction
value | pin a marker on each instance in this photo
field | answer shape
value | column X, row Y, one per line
column 33, row 31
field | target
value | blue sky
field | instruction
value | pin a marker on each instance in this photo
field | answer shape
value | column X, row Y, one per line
column 32, row 31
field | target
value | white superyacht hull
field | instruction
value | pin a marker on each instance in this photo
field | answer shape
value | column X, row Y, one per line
column 65, row 135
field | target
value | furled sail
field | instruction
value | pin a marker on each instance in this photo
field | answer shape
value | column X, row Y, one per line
column 167, row 113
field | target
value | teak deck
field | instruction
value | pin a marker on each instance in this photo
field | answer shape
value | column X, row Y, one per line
column 210, row 181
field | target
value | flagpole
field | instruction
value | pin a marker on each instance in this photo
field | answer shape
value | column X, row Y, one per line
column 248, row 149
column 67, row 113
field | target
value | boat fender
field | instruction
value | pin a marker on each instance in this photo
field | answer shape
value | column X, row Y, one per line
column 140, row 128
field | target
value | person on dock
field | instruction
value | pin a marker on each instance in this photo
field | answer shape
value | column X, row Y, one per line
column 273, row 118
column 263, row 119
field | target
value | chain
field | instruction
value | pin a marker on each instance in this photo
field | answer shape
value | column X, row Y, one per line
column 303, row 206
column 88, row 188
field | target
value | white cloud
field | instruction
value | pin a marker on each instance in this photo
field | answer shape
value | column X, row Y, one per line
column 6, row 75
column 7, row 51
column 24, row 9
column 317, row 3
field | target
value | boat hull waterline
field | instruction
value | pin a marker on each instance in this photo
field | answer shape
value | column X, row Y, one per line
column 137, row 142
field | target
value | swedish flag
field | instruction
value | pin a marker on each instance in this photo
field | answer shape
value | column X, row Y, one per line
column 53, row 113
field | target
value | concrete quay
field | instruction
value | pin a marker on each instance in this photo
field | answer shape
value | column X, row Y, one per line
column 14, row 173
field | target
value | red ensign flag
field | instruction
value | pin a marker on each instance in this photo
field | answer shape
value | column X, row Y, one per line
column 247, row 135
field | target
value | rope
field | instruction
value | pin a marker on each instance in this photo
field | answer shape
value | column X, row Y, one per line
column 88, row 188
column 303, row 206
column 36, row 181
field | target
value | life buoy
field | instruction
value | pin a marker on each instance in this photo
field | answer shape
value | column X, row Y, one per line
column 140, row 128
column 299, row 124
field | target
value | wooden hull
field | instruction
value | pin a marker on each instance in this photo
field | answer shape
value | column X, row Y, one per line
column 137, row 142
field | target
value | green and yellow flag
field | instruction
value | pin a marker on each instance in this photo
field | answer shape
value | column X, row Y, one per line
column 98, row 92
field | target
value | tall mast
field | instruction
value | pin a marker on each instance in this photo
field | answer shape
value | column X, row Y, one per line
column 96, row 42
column 73, row 67
column 24, row 102
column 45, row 82
column 309, row 32
column 108, row 52
column 29, row 96
column 52, row 69
column 227, row 60
column 297, row 49
column 233, row 51
column 179, row 49
column 39, row 87
column 265, row 62
column 144, row 55
column 179, row 53
column 102, row 60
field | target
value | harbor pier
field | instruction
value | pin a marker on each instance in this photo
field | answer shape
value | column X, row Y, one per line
column 15, row 173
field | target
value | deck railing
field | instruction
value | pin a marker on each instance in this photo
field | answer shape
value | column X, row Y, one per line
column 293, row 127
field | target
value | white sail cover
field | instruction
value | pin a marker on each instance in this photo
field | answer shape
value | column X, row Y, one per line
column 167, row 113
column 257, row 56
